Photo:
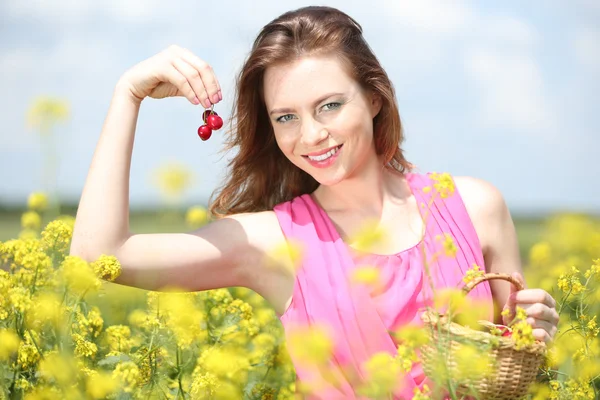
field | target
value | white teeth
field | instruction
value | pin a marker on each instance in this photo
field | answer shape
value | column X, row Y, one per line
column 324, row 156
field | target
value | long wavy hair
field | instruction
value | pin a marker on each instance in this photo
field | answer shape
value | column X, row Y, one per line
column 260, row 176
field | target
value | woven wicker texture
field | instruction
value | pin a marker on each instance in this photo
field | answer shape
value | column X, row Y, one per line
column 513, row 370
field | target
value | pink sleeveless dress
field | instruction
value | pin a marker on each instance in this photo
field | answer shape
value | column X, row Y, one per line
column 359, row 320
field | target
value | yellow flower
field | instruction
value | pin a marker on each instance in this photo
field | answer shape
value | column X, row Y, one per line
column 137, row 318
column 444, row 185
column 58, row 367
column 67, row 219
column 46, row 111
column 184, row 318
column 570, row 283
column 78, row 275
column 472, row 363
column 406, row 357
column 540, row 254
column 28, row 354
column 31, row 220
column 422, row 393
column 450, row 248
column 413, row 336
column 57, row 235
column 225, row 362
column 539, row 391
column 172, row 179
column 310, row 345
column 48, row 309
column 382, row 372
column 451, row 301
column 204, row 384
column 579, row 388
column 593, row 270
column 118, row 337
column 367, row 275
column 94, row 321
column 127, row 374
column 369, row 237
column 100, row 385
column 196, row 216
column 522, row 334
column 107, row 267
column 9, row 343
column 278, row 257
column 20, row 298
column 83, row 347
column 473, row 273
column 37, row 201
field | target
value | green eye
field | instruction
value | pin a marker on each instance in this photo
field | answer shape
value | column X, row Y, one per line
column 332, row 106
column 284, row 118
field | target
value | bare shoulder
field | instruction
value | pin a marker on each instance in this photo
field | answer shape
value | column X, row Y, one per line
column 267, row 270
column 485, row 205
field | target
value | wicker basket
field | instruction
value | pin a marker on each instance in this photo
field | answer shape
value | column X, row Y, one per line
column 514, row 370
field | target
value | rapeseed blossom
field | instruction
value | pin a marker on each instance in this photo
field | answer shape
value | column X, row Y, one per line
column 196, row 216
column 67, row 331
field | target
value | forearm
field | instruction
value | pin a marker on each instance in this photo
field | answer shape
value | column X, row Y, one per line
column 102, row 222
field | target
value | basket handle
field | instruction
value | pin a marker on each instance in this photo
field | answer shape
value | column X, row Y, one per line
column 489, row 276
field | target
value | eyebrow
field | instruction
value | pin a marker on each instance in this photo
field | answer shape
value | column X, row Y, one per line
column 319, row 100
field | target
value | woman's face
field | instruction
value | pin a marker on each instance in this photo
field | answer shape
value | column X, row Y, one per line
column 322, row 118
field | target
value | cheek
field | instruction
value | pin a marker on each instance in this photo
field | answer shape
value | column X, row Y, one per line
column 286, row 143
column 354, row 122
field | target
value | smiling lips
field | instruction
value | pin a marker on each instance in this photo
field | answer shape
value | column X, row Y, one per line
column 322, row 155
column 324, row 159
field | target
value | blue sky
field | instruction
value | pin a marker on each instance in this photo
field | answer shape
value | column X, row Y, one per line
column 503, row 91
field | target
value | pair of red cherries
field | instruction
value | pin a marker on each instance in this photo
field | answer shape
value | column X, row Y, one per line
column 212, row 122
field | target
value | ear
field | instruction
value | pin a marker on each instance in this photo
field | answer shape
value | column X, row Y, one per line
column 376, row 103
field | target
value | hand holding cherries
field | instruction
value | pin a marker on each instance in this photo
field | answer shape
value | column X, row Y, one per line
column 212, row 122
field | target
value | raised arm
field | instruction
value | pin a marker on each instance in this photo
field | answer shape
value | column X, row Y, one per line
column 224, row 253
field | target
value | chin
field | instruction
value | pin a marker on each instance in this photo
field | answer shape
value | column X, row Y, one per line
column 326, row 179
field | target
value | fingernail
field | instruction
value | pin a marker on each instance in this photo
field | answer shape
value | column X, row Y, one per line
column 196, row 101
column 207, row 103
column 220, row 95
column 215, row 98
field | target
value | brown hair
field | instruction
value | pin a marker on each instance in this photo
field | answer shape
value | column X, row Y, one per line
column 261, row 176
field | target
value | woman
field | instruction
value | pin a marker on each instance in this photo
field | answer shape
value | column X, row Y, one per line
column 317, row 131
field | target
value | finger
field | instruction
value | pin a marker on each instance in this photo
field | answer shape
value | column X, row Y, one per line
column 534, row 296
column 542, row 336
column 177, row 79
column 193, row 78
column 211, row 83
column 511, row 300
column 519, row 278
column 546, row 326
column 541, row 311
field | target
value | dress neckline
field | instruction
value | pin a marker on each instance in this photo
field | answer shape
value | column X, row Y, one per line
column 353, row 253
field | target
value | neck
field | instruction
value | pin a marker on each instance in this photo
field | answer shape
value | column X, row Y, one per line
column 365, row 192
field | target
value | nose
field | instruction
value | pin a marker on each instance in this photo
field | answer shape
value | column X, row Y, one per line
column 312, row 133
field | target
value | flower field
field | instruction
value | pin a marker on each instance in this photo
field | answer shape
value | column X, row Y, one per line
column 67, row 332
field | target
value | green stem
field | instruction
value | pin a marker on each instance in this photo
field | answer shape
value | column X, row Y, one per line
column 35, row 344
column 564, row 301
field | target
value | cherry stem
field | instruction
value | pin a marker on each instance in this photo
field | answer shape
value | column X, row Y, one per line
column 212, row 108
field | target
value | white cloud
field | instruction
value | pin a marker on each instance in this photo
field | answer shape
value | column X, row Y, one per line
column 512, row 90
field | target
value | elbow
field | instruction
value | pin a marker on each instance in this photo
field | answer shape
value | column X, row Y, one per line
column 89, row 246
column 78, row 250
